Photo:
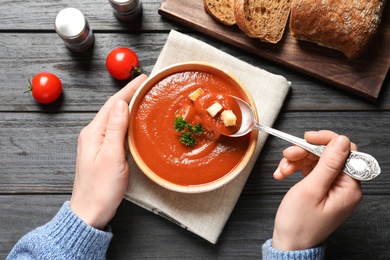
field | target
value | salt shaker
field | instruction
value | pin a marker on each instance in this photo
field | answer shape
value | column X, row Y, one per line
column 73, row 28
column 126, row 10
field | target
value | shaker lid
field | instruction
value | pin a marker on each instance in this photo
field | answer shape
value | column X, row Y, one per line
column 70, row 22
column 124, row 5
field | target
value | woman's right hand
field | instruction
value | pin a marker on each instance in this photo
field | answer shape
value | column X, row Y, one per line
column 317, row 205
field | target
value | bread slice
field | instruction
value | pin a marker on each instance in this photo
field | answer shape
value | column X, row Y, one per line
column 344, row 25
column 221, row 10
column 263, row 19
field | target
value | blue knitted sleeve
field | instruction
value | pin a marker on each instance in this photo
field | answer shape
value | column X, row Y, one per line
column 66, row 236
column 270, row 253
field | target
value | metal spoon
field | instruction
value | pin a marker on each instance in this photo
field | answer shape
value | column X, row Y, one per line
column 360, row 166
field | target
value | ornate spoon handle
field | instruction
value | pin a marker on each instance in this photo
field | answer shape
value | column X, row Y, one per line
column 360, row 166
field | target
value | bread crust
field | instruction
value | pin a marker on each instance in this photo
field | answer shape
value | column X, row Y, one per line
column 221, row 10
column 241, row 17
column 263, row 19
column 344, row 25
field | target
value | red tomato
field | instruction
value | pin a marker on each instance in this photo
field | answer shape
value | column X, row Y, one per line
column 122, row 63
column 209, row 133
column 45, row 87
column 187, row 112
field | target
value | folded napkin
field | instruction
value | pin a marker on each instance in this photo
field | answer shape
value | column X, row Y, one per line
column 206, row 214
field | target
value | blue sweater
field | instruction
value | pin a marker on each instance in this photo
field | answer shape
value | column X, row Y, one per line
column 67, row 237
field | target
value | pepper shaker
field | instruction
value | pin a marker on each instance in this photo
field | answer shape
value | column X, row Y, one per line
column 74, row 29
column 126, row 10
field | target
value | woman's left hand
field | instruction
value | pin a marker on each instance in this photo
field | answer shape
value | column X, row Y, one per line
column 102, row 172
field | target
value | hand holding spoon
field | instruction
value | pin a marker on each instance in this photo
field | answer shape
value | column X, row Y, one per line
column 360, row 166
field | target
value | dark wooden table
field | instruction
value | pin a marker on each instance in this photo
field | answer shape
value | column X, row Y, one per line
column 38, row 143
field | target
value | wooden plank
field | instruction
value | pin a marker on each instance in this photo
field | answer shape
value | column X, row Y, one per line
column 87, row 83
column 139, row 234
column 363, row 76
column 41, row 148
column 41, row 151
column 40, row 15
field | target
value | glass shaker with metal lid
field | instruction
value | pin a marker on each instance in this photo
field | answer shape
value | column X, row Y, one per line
column 73, row 28
column 126, row 10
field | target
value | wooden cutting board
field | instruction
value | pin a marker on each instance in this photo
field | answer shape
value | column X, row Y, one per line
column 363, row 76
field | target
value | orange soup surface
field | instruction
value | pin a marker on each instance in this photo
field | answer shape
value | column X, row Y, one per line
column 158, row 143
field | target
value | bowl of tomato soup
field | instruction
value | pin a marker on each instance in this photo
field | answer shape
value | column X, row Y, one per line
column 176, row 119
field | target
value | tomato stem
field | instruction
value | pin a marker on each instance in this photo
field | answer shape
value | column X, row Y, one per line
column 136, row 71
column 29, row 87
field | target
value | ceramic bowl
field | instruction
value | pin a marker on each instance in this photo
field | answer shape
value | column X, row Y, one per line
column 138, row 98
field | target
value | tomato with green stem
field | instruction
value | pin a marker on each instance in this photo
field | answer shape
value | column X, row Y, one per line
column 122, row 63
column 45, row 87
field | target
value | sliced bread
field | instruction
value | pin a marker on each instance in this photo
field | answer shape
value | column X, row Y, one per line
column 221, row 10
column 263, row 19
column 344, row 25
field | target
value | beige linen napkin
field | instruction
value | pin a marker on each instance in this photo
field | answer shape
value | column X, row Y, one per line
column 206, row 214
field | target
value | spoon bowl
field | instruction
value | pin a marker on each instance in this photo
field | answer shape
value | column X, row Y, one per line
column 360, row 166
column 248, row 122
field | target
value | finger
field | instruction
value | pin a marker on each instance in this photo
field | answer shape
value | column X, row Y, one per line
column 287, row 168
column 330, row 163
column 354, row 147
column 308, row 166
column 297, row 157
column 125, row 94
column 321, row 137
column 278, row 175
column 295, row 153
column 116, row 128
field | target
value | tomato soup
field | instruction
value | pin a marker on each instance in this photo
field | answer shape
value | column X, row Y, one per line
column 158, row 143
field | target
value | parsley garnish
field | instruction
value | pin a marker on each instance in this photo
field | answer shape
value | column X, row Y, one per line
column 198, row 129
column 180, row 124
column 188, row 139
column 187, row 131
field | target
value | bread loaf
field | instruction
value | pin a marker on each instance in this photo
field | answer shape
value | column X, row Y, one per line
column 263, row 19
column 344, row 25
column 221, row 10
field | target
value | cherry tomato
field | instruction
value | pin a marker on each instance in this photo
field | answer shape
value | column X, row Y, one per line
column 187, row 112
column 45, row 87
column 210, row 134
column 122, row 63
